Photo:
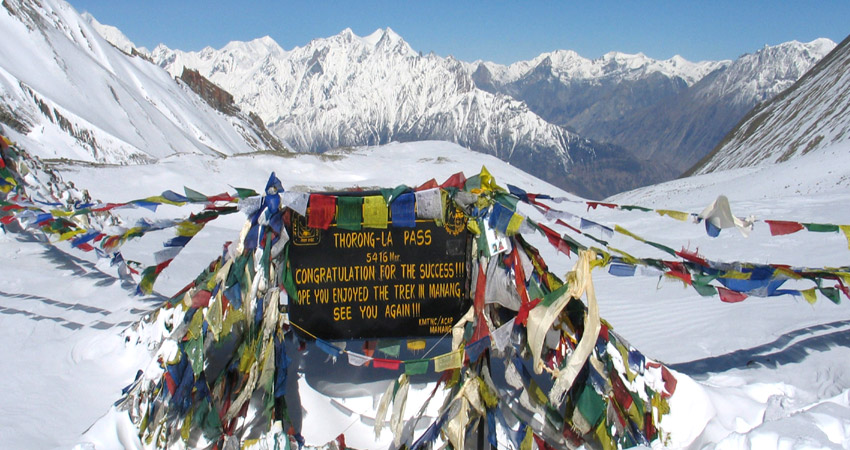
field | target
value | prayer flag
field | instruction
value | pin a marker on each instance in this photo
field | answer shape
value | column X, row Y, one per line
column 322, row 211
column 448, row 361
column 416, row 366
column 349, row 213
column 356, row 359
column 328, row 348
column 375, row 212
column 810, row 296
column 381, row 363
column 780, row 227
column 678, row 215
column 389, row 347
column 416, row 345
column 404, row 210
column 820, row 227
column 846, row 230
column 730, row 296
column 429, row 204
column 296, row 201
column 457, row 180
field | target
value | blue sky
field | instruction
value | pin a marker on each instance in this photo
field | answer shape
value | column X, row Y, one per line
column 499, row 31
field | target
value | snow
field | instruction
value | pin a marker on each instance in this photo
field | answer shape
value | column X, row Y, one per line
column 762, row 373
column 769, row 372
column 126, row 109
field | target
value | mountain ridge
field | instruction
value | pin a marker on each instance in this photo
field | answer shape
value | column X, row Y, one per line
column 71, row 94
column 812, row 114
column 312, row 97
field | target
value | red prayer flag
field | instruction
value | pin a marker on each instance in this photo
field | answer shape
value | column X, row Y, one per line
column 225, row 197
column 201, row 299
column 321, row 211
column 595, row 204
column 430, row 184
column 481, row 329
column 780, row 227
column 381, row 363
column 532, row 198
column 524, row 309
column 730, row 296
column 670, row 381
column 457, row 180
column 693, row 257
column 561, row 222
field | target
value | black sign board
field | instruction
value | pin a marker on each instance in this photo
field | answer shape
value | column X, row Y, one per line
column 379, row 283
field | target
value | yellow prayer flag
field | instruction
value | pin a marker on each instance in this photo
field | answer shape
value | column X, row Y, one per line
column 416, row 345
column 737, row 275
column 68, row 235
column 678, row 215
column 514, row 224
column 528, row 440
column 215, row 316
column 472, row 226
column 188, row 228
column 790, row 274
column 453, row 360
column 846, row 230
column 628, row 233
column 810, row 296
column 488, row 183
column 162, row 200
column 627, row 258
column 61, row 213
column 375, row 212
column 604, row 437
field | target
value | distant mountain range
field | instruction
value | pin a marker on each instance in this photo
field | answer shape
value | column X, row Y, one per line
column 671, row 112
column 812, row 114
column 593, row 127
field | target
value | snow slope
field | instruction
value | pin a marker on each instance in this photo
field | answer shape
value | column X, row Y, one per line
column 768, row 372
column 810, row 115
column 68, row 93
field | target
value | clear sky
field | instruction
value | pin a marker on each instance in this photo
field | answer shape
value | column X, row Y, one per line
column 499, row 31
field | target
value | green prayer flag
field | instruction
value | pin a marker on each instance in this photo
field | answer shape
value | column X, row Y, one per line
column 416, row 366
column 507, row 200
column 831, row 293
column 389, row 347
column 391, row 194
column 245, row 192
column 551, row 297
column 207, row 417
column 705, row 290
column 663, row 248
column 194, row 196
column 633, row 207
column 821, row 227
column 349, row 213
column 195, row 351
column 591, row 405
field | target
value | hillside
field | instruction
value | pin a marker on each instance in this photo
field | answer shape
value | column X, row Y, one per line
column 813, row 114
column 68, row 93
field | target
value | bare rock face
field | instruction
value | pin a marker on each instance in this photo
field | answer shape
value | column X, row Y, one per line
column 215, row 96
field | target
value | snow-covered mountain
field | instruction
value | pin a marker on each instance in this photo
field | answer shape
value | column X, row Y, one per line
column 348, row 90
column 673, row 111
column 812, row 114
column 68, row 93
